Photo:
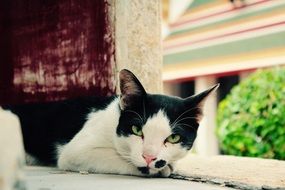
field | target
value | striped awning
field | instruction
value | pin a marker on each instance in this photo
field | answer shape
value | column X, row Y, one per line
column 213, row 37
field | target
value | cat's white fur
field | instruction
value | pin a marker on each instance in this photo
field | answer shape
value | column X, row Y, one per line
column 12, row 151
column 97, row 148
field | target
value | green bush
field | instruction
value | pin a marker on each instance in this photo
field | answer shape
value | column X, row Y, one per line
column 251, row 119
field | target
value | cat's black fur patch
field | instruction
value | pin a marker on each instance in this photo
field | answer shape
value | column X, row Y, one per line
column 46, row 124
column 160, row 163
column 144, row 170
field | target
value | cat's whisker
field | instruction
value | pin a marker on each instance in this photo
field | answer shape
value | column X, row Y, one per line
column 111, row 157
column 125, row 154
column 131, row 111
column 127, row 159
column 129, row 162
column 184, row 118
column 183, row 114
column 185, row 125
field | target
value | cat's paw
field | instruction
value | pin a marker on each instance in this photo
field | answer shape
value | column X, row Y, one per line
column 148, row 172
column 166, row 171
column 144, row 170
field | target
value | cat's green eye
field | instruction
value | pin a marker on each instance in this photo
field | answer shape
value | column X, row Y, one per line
column 137, row 130
column 174, row 138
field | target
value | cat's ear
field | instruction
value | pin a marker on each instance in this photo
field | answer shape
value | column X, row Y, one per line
column 197, row 101
column 132, row 90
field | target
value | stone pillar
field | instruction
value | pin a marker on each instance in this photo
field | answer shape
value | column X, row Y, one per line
column 206, row 142
column 138, row 40
column 244, row 74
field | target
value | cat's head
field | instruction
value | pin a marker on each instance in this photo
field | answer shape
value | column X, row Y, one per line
column 156, row 130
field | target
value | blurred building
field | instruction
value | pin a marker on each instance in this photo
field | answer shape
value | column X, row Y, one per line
column 211, row 41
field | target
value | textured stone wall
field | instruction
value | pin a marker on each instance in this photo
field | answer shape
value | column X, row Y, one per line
column 51, row 50
column 138, row 40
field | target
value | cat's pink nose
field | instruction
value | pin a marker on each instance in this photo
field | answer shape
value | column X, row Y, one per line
column 148, row 158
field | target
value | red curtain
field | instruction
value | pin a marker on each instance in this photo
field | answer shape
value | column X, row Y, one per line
column 55, row 49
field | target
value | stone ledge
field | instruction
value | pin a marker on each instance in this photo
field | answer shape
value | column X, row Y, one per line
column 237, row 172
column 44, row 178
column 217, row 172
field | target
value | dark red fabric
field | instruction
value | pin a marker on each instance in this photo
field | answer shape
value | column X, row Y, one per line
column 54, row 49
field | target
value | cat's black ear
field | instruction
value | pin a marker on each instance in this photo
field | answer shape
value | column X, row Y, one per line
column 197, row 101
column 132, row 90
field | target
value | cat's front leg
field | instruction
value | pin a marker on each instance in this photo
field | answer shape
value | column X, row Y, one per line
column 167, row 171
column 98, row 160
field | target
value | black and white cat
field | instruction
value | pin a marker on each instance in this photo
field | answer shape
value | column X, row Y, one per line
column 135, row 133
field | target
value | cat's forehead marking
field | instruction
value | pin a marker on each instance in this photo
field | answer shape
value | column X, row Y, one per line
column 157, row 125
column 155, row 130
column 172, row 106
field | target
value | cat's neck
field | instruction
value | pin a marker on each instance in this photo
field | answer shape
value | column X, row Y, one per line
column 109, row 116
column 100, row 127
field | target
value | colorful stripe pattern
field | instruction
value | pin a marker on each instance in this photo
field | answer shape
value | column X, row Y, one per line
column 213, row 37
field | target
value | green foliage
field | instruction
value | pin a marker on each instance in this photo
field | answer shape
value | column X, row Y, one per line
column 251, row 119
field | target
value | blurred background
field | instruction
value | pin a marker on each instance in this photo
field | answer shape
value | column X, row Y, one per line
column 222, row 41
